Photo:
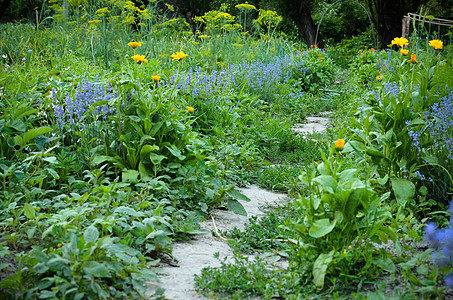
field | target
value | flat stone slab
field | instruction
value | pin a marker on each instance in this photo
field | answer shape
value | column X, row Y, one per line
column 194, row 255
column 313, row 125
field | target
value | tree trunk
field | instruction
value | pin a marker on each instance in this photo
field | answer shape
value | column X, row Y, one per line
column 3, row 7
column 300, row 13
column 392, row 13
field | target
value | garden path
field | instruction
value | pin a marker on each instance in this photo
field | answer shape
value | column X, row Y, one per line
column 194, row 255
column 191, row 257
column 314, row 124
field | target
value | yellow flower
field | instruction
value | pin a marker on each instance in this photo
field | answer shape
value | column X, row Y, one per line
column 339, row 144
column 178, row 55
column 404, row 51
column 246, row 6
column 190, row 108
column 155, row 78
column 413, row 58
column 94, row 21
column 203, row 36
column 134, row 44
column 139, row 58
column 436, row 44
column 400, row 42
column 379, row 77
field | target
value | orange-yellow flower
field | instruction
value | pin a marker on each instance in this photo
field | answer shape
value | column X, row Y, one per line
column 190, row 108
column 174, row 108
column 413, row 58
column 178, row 55
column 400, row 42
column 134, row 44
column 379, row 77
column 436, row 44
column 155, row 78
column 339, row 144
column 404, row 51
column 139, row 58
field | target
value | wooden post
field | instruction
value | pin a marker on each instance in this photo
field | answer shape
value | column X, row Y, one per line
column 65, row 6
column 406, row 26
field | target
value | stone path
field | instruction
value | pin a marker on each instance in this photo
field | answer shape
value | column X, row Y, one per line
column 193, row 256
column 314, row 124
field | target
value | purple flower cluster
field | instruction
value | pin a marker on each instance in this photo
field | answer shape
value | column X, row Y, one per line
column 441, row 240
column 87, row 94
column 415, row 136
column 261, row 78
column 392, row 88
column 441, row 127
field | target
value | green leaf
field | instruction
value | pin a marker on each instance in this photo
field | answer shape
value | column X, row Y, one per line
column 53, row 173
column 129, row 211
column 403, row 189
column 374, row 152
column 327, row 182
column 321, row 227
column 176, row 152
column 34, row 132
column 50, row 159
column 29, row 211
column 91, row 234
column 385, row 264
column 57, row 263
column 236, row 207
column 31, row 232
column 96, row 269
column 156, row 158
column 238, row 195
column 146, row 150
column 130, row 176
column 320, row 267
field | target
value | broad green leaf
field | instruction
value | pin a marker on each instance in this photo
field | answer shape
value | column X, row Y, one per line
column 383, row 181
column 320, row 267
column 156, row 158
column 147, row 149
column 96, row 269
column 403, row 189
column 238, row 195
column 50, row 159
column 327, row 182
column 130, row 176
column 129, row 211
column 236, row 207
column 176, row 152
column 374, row 152
column 321, row 227
column 102, row 158
column 53, row 173
column 57, row 263
column 347, row 174
column 91, row 234
column 79, row 296
column 385, row 264
column 45, row 294
column 31, row 232
column 19, row 125
column 29, row 211
column 34, row 132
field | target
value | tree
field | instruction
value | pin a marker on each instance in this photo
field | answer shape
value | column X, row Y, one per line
column 300, row 12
